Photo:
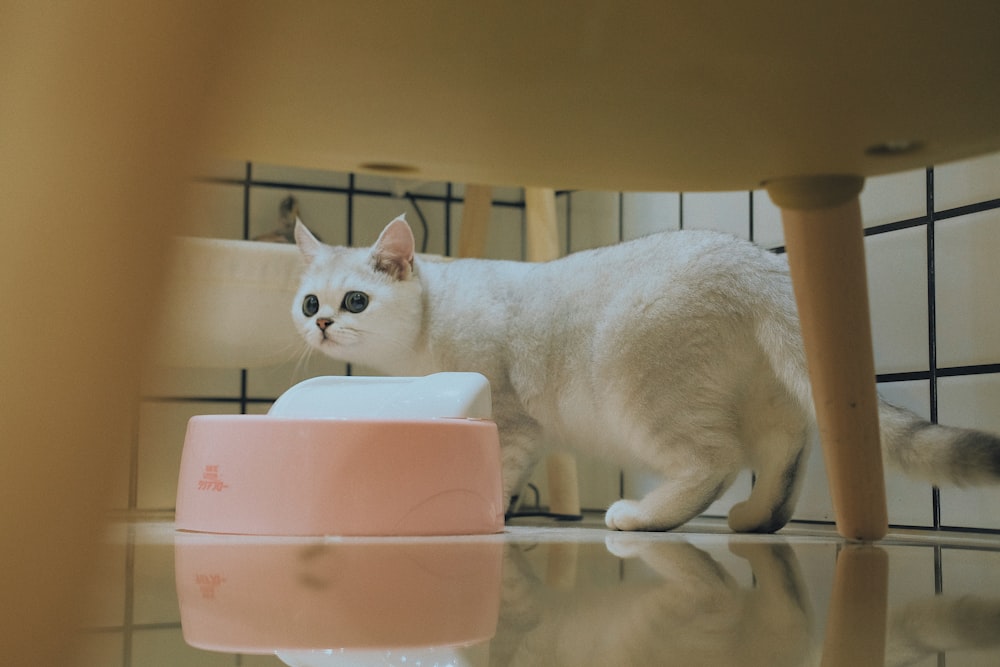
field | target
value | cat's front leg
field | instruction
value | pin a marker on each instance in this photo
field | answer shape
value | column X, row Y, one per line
column 673, row 503
column 520, row 451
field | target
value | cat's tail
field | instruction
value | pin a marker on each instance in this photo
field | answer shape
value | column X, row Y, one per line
column 932, row 452
column 938, row 454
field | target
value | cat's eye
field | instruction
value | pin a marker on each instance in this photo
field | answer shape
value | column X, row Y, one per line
column 310, row 305
column 355, row 302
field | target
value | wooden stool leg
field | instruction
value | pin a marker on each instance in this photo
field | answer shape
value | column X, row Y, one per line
column 825, row 243
column 542, row 232
column 564, row 487
column 475, row 220
column 543, row 245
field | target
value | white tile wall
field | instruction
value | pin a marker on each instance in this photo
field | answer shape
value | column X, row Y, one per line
column 372, row 214
column 971, row 400
column 188, row 382
column 969, row 287
column 894, row 197
column 727, row 212
column 897, row 289
column 593, row 219
column 644, row 213
column 161, row 438
column 960, row 183
column 767, row 230
column 967, row 301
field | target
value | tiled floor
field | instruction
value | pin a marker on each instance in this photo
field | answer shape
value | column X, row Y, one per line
column 544, row 593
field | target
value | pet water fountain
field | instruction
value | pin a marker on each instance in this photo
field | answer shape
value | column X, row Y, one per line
column 349, row 456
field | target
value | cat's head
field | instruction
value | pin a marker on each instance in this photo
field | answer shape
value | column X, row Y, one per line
column 360, row 305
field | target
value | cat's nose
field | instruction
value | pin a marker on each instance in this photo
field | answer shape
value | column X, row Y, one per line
column 323, row 323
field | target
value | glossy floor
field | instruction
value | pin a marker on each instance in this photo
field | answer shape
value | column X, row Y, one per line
column 544, row 594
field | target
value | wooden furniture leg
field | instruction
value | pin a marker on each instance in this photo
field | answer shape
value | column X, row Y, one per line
column 825, row 243
column 475, row 220
column 540, row 216
column 543, row 245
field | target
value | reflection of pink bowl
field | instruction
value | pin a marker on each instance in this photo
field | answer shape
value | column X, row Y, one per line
column 264, row 475
column 260, row 597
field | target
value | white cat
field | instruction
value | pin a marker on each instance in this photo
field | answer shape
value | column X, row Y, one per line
column 679, row 352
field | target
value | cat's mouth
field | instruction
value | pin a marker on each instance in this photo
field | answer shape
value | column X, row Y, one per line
column 330, row 339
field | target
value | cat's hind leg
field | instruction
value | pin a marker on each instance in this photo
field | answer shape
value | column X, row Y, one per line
column 778, row 455
column 698, row 455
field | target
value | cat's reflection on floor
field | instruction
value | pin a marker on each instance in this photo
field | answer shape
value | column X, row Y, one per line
column 942, row 624
column 634, row 599
column 692, row 611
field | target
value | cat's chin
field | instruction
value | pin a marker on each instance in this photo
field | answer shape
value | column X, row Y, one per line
column 329, row 349
column 332, row 348
column 321, row 340
column 326, row 345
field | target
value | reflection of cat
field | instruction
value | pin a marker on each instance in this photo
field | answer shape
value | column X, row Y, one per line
column 693, row 613
column 679, row 352
column 942, row 624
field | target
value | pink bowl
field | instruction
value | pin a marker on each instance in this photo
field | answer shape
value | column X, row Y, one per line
column 264, row 475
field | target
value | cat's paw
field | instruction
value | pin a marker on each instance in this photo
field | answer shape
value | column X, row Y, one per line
column 641, row 515
column 745, row 518
column 625, row 515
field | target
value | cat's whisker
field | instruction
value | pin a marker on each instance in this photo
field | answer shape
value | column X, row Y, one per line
column 301, row 362
column 292, row 350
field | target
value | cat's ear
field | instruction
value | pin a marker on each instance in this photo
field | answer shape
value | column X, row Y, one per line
column 309, row 245
column 393, row 252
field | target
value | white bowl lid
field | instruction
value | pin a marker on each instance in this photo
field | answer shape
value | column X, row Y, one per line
column 441, row 395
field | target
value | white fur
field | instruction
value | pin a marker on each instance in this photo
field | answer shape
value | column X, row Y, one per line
column 679, row 353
